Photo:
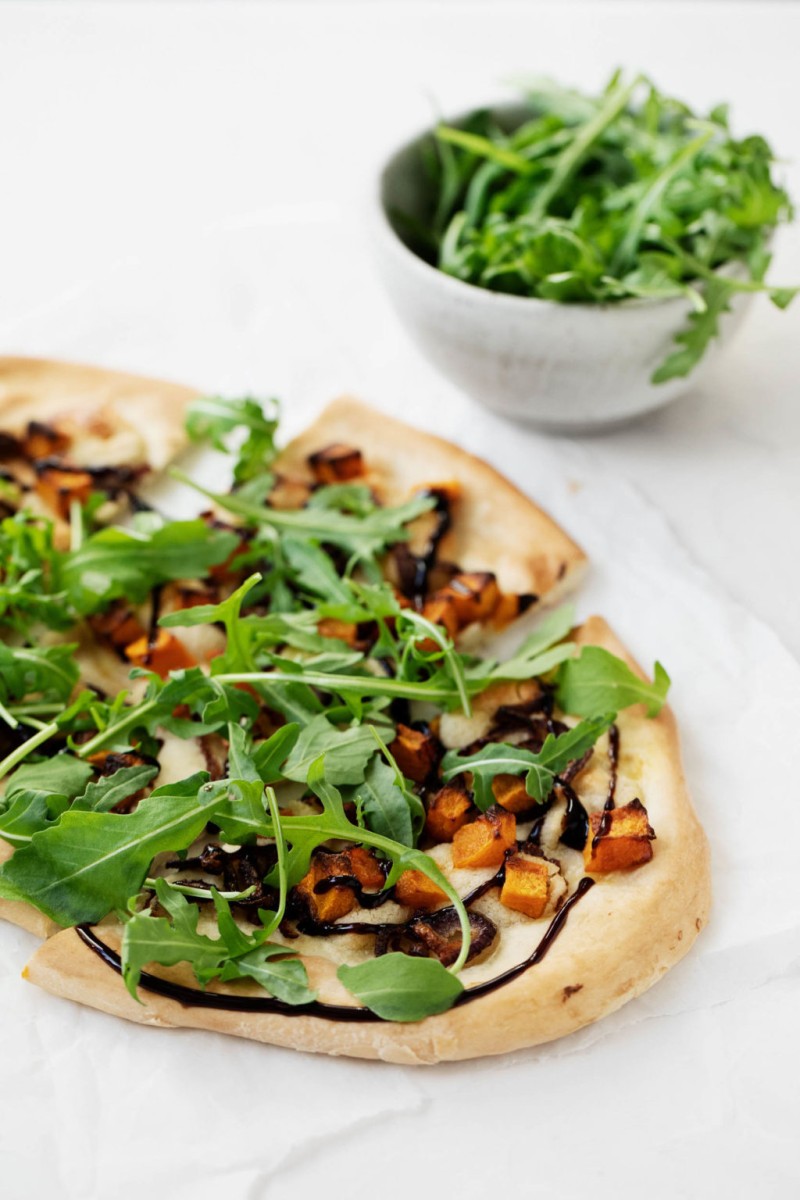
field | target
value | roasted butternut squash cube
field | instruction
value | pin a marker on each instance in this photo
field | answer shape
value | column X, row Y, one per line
column 327, row 905
column 365, row 867
column 440, row 610
column 345, row 631
column 618, row 839
column 42, row 441
column 511, row 794
column 484, row 842
column 416, row 752
column 510, row 606
column 289, row 494
column 526, row 888
column 336, row 463
column 120, row 625
column 448, row 810
column 415, row 890
column 59, row 488
column 474, row 595
column 161, row 655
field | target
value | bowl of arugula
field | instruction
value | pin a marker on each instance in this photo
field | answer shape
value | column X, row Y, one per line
column 575, row 261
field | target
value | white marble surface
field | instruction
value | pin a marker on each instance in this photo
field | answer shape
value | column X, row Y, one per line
column 181, row 195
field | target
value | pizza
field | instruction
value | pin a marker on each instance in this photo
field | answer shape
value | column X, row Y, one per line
column 354, row 781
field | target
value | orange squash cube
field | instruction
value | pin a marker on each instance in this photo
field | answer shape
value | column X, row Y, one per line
column 119, row 625
column 42, row 441
column 448, row 810
column 439, row 610
column 510, row 606
column 484, row 842
column 619, row 839
column 415, row 752
column 59, row 488
column 365, row 867
column 336, row 463
column 415, row 890
column 345, row 631
column 328, row 905
column 527, row 885
column 162, row 655
column 474, row 596
column 509, row 792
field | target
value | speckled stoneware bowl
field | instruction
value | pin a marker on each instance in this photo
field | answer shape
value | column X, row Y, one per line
column 564, row 367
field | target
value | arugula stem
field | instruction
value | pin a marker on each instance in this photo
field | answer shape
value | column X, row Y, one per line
column 131, row 718
column 574, row 153
column 186, row 889
column 16, row 756
column 365, row 685
column 6, row 716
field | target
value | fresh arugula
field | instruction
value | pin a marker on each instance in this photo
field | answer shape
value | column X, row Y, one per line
column 595, row 199
column 540, row 769
column 399, row 988
column 598, row 682
column 215, row 418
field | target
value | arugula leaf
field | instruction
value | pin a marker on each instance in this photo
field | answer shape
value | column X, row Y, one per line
column 104, row 793
column 400, row 988
column 387, row 808
column 233, row 955
column 29, row 583
column 214, row 418
column 50, row 672
column 599, row 682
column 61, row 774
column 28, row 812
column 703, row 328
column 91, row 862
column 540, row 768
column 130, row 562
column 347, row 752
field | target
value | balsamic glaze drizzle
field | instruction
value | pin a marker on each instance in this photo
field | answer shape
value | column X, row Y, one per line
column 194, row 998
column 613, row 763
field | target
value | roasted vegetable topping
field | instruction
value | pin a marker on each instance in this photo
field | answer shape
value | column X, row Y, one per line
column 448, row 810
column 619, row 838
column 526, row 887
column 336, row 464
column 485, row 842
column 416, row 752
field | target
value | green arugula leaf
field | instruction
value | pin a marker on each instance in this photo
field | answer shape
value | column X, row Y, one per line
column 214, row 418
column 599, row 682
column 91, row 862
column 399, row 988
column 28, row 812
column 103, row 794
column 386, row 807
column 49, row 672
column 130, row 562
column 62, row 774
column 703, row 328
column 347, row 752
column 540, row 769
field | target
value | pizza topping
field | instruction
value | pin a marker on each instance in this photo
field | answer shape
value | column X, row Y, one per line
column 416, row 752
column 526, row 886
column 439, row 935
column 43, row 441
column 619, row 838
column 448, row 809
column 485, row 841
column 59, row 489
column 162, row 653
column 415, row 890
column 336, row 464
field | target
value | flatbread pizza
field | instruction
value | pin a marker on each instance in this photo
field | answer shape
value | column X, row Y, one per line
column 323, row 813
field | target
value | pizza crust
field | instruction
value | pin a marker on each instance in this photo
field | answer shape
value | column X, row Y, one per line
column 116, row 419
column 622, row 936
column 495, row 526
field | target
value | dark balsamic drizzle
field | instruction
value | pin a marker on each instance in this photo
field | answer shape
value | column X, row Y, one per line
column 608, row 807
column 424, row 562
column 194, row 998
column 576, row 820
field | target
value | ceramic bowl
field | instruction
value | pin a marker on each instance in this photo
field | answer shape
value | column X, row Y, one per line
column 562, row 367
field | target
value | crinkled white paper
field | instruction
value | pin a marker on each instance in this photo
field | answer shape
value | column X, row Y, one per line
column 699, row 1072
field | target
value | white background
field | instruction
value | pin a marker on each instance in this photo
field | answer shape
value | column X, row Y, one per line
column 182, row 191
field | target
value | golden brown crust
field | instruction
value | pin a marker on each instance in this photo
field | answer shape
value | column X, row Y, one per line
column 628, row 930
column 495, row 527
column 120, row 418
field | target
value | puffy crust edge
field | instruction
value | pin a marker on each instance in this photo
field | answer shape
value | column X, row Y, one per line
column 619, row 940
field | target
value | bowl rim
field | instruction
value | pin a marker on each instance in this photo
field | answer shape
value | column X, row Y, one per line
column 471, row 291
